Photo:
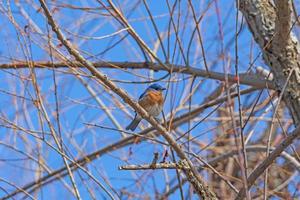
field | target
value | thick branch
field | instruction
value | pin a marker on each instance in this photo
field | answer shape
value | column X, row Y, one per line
column 271, row 28
column 253, row 80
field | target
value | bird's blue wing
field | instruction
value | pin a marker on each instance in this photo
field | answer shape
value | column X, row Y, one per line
column 142, row 95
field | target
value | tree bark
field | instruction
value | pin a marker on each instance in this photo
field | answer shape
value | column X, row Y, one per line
column 271, row 25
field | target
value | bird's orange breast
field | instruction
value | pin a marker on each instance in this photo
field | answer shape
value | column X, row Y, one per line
column 152, row 98
column 156, row 97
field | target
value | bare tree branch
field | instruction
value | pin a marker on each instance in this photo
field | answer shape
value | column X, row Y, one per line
column 269, row 160
column 125, row 142
column 271, row 26
column 63, row 110
column 191, row 173
column 244, row 78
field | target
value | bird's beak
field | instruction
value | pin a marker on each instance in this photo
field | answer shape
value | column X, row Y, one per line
column 163, row 88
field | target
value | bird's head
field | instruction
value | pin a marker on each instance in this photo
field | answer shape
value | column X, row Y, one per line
column 156, row 87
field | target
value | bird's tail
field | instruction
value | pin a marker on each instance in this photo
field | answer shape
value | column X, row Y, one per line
column 135, row 122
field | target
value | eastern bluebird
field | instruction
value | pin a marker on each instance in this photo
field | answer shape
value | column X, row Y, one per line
column 152, row 101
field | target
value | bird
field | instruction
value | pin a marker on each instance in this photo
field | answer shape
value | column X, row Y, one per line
column 152, row 101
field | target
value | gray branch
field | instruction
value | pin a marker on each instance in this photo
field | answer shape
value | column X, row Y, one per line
column 254, row 80
column 271, row 26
